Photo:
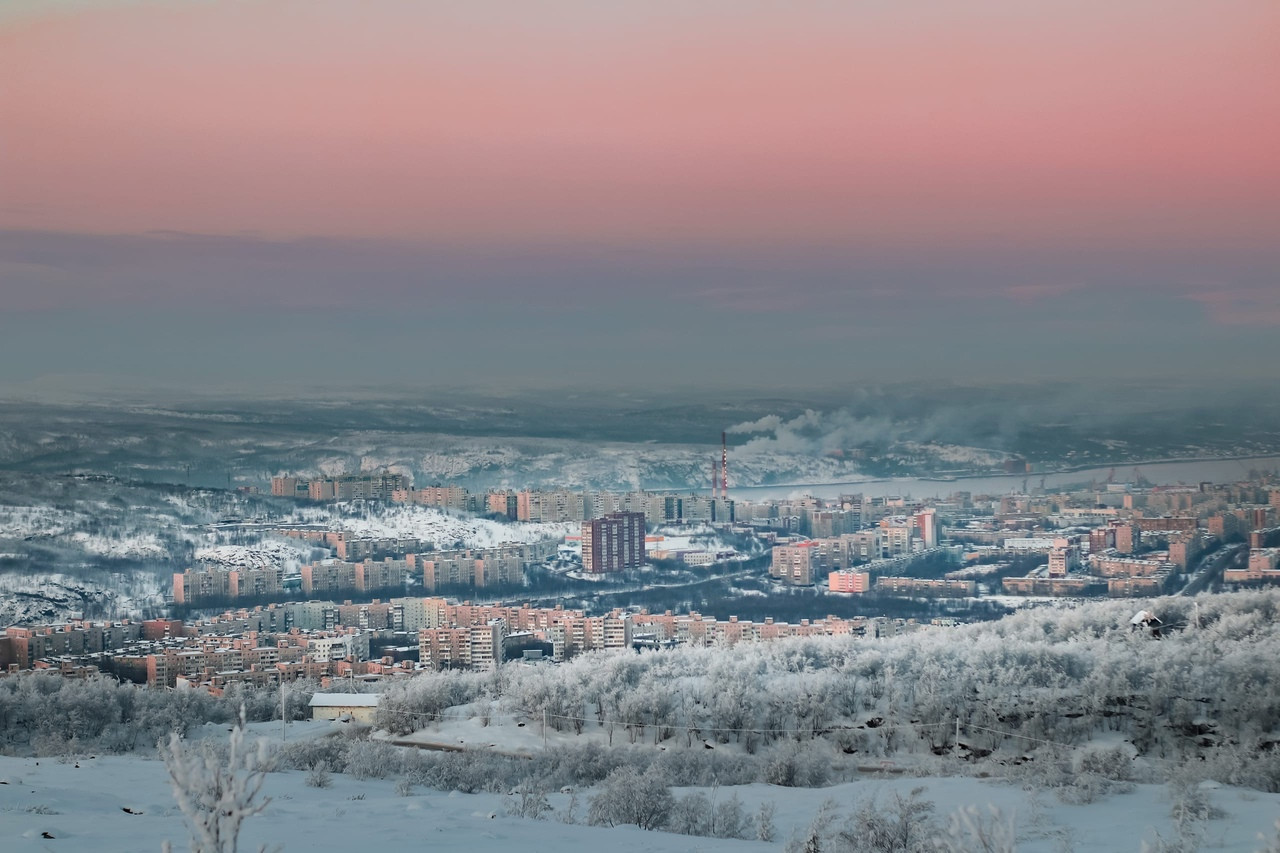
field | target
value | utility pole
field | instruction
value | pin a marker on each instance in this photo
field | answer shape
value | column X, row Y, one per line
column 957, row 735
column 282, row 729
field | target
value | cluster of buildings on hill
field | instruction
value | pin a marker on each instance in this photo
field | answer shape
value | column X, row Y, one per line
column 612, row 543
column 894, row 537
column 1118, row 541
column 324, row 640
column 379, row 486
column 214, row 584
column 1263, row 567
column 1121, row 541
column 534, row 505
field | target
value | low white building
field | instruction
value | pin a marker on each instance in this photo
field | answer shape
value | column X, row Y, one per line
column 356, row 707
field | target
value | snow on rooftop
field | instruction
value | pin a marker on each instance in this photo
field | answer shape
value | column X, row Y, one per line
column 344, row 700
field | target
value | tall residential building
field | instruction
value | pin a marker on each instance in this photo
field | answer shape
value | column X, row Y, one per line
column 1127, row 538
column 926, row 524
column 793, row 564
column 613, row 543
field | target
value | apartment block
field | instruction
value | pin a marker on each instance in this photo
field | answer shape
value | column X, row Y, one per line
column 793, row 564
column 379, row 486
column 847, row 580
column 613, row 543
column 927, row 586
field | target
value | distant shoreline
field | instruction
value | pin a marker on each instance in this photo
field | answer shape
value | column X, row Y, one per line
column 958, row 478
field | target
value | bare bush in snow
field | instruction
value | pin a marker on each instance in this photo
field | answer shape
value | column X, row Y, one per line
column 974, row 830
column 217, row 792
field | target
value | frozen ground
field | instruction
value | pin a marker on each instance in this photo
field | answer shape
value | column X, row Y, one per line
column 53, row 596
column 289, row 555
column 112, row 803
column 444, row 529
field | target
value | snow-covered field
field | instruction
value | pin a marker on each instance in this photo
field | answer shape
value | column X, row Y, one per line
column 1078, row 730
column 702, row 537
column 111, row 803
column 83, row 808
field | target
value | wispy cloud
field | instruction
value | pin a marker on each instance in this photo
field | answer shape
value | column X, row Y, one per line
column 1241, row 307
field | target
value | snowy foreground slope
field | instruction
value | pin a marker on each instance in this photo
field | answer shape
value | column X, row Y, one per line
column 1103, row 738
column 82, row 805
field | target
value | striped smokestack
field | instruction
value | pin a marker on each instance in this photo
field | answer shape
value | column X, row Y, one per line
column 724, row 465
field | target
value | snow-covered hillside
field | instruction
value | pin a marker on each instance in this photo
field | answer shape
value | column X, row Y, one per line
column 53, row 598
column 442, row 528
column 268, row 553
column 1085, row 734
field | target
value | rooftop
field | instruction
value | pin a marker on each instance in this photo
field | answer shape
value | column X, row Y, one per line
column 344, row 700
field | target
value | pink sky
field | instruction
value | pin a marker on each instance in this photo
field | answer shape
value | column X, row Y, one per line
column 649, row 125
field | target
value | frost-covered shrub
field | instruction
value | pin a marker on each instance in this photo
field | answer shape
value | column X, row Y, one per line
column 897, row 825
column 308, row 754
column 53, row 744
column 1088, row 788
column 764, row 822
column 730, row 819
column 418, row 702
column 371, row 759
column 818, row 836
column 468, row 771
column 697, row 814
column 49, row 714
column 704, row 768
column 528, row 800
column 1234, row 765
column 581, row 765
column 1115, row 763
column 801, row 766
column 974, row 830
column 217, row 789
column 691, row 815
column 1185, row 842
column 1191, row 803
column 629, row 796
column 318, row 777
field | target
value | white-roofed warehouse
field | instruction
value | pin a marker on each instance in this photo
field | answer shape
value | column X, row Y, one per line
column 357, row 707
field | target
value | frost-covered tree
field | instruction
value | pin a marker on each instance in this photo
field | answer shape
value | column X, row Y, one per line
column 973, row 830
column 217, row 792
column 629, row 796
column 528, row 800
column 901, row 825
column 764, row 822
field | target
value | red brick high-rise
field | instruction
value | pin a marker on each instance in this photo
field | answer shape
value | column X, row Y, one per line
column 613, row 543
